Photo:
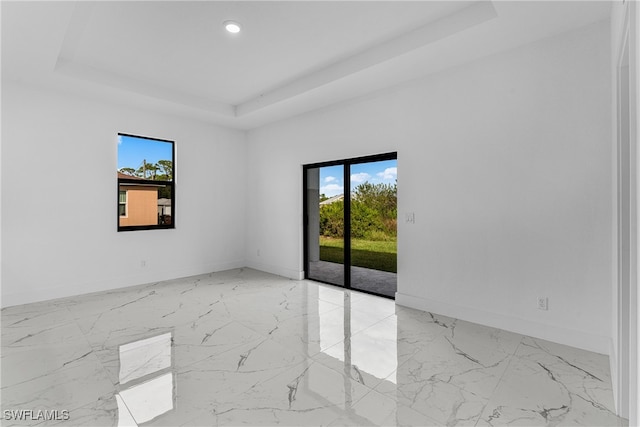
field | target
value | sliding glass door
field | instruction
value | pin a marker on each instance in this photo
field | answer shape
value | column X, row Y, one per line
column 373, row 191
column 325, row 235
column 350, row 223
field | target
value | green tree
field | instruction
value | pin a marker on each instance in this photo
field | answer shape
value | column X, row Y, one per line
column 153, row 169
column 373, row 213
column 128, row 171
column 164, row 192
column 147, row 170
column 166, row 167
column 381, row 197
column 332, row 219
column 366, row 221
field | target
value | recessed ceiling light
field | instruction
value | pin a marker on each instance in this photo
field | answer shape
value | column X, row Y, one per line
column 232, row 27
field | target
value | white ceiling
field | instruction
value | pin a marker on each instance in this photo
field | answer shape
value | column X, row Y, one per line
column 291, row 57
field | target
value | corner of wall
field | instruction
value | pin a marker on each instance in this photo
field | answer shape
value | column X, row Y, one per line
column 289, row 273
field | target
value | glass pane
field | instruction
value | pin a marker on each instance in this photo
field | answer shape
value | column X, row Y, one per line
column 147, row 204
column 374, row 227
column 145, row 158
column 164, row 205
column 325, row 227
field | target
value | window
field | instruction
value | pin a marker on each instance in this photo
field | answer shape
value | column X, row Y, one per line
column 146, row 191
column 123, row 204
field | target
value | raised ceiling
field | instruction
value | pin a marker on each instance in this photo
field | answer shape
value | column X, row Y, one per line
column 291, row 57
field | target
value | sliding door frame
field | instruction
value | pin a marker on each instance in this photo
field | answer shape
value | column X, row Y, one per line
column 346, row 164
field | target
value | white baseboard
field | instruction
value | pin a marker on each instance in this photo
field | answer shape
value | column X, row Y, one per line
column 570, row 337
column 289, row 273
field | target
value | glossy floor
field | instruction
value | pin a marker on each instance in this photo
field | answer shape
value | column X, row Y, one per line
column 247, row 348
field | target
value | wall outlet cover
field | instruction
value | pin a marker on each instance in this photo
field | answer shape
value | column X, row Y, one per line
column 543, row 303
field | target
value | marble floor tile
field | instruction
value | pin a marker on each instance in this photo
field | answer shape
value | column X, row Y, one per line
column 335, row 294
column 264, row 313
column 38, row 315
column 379, row 306
column 581, row 372
column 45, row 335
column 217, row 384
column 65, row 388
column 307, row 394
column 529, row 395
column 552, row 384
column 377, row 409
column 30, row 353
column 467, row 365
column 465, row 334
column 106, row 411
column 369, row 356
column 433, row 397
column 417, row 328
column 242, row 347
column 308, row 334
column 192, row 344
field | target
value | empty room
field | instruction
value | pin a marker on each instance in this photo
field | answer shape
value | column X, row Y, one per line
column 307, row 213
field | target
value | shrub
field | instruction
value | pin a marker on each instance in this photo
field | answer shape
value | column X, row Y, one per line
column 332, row 219
column 364, row 220
column 373, row 214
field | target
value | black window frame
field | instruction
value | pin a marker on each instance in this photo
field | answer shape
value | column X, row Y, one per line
column 134, row 181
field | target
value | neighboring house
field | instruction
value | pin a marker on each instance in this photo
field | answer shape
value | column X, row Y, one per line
column 164, row 206
column 138, row 203
column 332, row 199
column 164, row 211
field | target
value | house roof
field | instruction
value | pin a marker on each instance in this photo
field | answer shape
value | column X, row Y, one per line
column 125, row 176
column 332, row 199
column 143, row 182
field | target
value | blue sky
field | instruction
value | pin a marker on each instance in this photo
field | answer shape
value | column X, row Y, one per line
column 132, row 151
column 332, row 181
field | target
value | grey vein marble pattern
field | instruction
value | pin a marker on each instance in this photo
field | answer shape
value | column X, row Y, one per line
column 103, row 412
column 242, row 347
column 564, row 386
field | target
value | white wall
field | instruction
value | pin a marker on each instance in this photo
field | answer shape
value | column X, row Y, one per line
column 624, row 355
column 59, row 233
column 507, row 164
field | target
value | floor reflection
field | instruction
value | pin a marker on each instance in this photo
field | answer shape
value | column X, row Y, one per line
column 147, row 384
column 144, row 357
column 364, row 342
column 150, row 399
column 125, row 419
column 248, row 348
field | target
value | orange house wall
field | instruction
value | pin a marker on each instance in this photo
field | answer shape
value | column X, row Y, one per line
column 142, row 206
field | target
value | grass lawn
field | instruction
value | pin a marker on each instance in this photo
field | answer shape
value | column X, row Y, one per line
column 376, row 255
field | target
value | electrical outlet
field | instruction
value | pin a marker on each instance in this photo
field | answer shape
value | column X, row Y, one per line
column 143, row 263
column 543, row 303
column 410, row 218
